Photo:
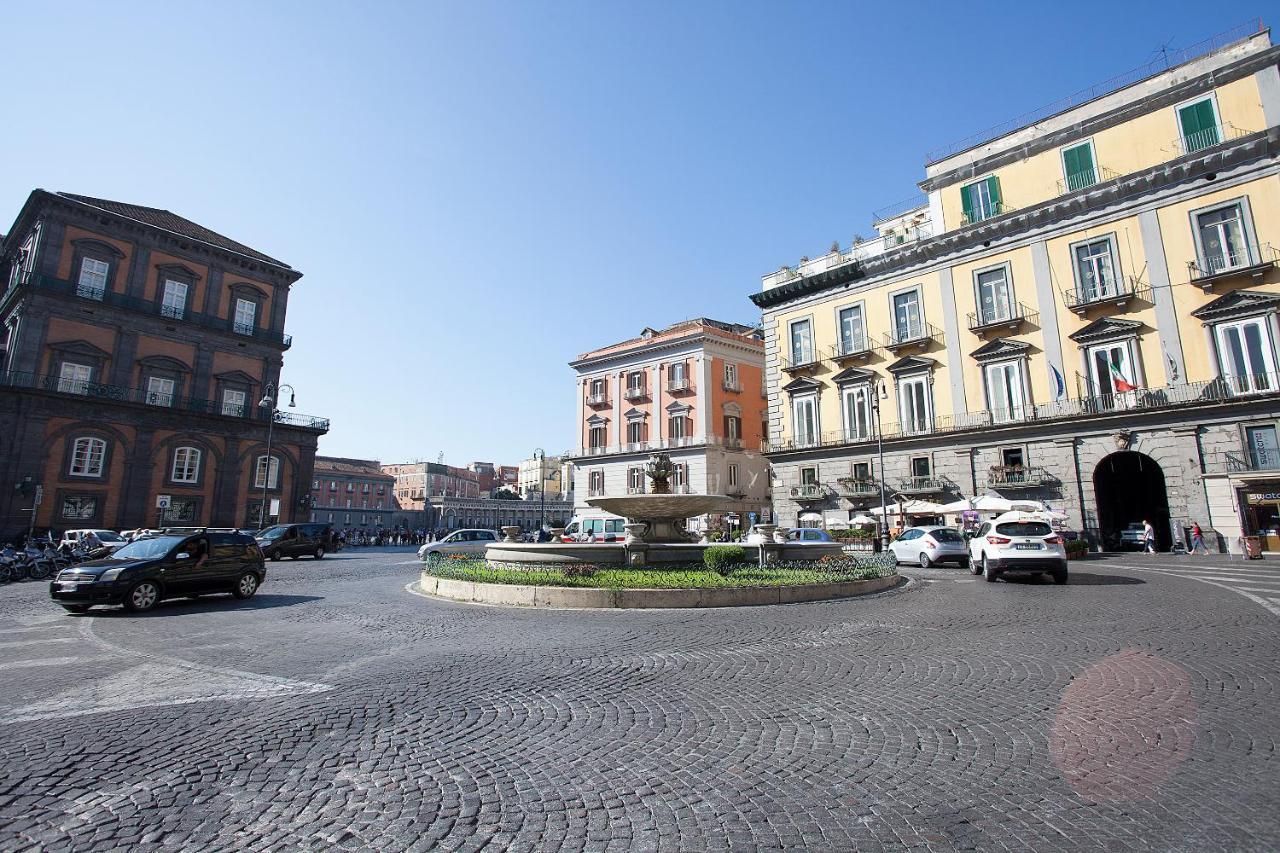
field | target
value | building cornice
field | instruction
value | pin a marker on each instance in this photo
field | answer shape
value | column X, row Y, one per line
column 651, row 349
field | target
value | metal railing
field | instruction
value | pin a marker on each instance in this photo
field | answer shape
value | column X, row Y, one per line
column 635, row 490
column 70, row 289
column 807, row 361
column 857, row 486
column 1222, row 266
column 1207, row 138
column 988, row 211
column 1008, row 316
column 1018, row 476
column 852, row 348
column 635, row 393
column 898, row 208
column 635, row 446
column 910, row 335
column 922, row 484
column 1130, row 287
column 595, row 493
column 808, row 492
column 597, row 399
column 1178, row 395
column 1087, row 178
column 173, row 311
column 732, row 385
column 123, row 394
column 674, row 385
column 1234, row 462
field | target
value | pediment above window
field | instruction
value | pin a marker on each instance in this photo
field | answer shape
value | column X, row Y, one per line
column 912, row 364
column 597, row 420
column 853, row 376
column 679, row 409
column 635, row 415
column 236, row 376
column 803, row 385
column 164, row 362
column 84, row 348
column 245, row 290
column 1001, row 348
column 1237, row 304
column 178, row 272
column 732, row 409
column 89, row 246
column 1106, row 329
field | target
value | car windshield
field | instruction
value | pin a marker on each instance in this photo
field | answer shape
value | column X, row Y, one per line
column 147, row 549
column 272, row 532
column 945, row 534
column 1024, row 528
column 108, row 536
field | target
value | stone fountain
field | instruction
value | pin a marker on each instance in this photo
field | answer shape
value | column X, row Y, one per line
column 658, row 517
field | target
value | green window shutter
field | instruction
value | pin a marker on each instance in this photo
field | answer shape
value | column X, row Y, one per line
column 993, row 189
column 966, row 200
column 1199, row 130
column 1078, row 163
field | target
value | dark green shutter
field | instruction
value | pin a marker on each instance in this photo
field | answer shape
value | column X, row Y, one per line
column 1199, row 130
column 1078, row 162
column 993, row 187
column 967, row 202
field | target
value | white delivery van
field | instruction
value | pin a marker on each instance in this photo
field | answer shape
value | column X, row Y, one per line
column 595, row 527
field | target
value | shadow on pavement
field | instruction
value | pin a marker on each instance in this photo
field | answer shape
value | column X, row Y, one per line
column 210, row 603
column 1077, row 577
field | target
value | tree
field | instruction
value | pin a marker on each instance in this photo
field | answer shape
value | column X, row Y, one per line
column 505, row 494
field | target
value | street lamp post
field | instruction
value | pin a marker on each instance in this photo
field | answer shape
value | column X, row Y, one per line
column 877, row 391
column 542, row 488
column 268, row 402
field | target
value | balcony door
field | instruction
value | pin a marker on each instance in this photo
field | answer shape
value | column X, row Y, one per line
column 801, row 342
column 1006, row 397
column 1095, row 270
column 1223, row 241
column 804, row 419
column 857, row 413
column 995, row 302
column 1112, row 370
column 1246, row 354
column 908, row 319
column 852, row 334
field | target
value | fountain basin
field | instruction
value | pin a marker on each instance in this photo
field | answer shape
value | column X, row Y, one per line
column 661, row 513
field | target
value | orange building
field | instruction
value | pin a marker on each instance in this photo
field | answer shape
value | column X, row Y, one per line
column 693, row 390
column 136, row 348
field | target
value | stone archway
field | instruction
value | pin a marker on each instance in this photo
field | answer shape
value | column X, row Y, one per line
column 1129, row 487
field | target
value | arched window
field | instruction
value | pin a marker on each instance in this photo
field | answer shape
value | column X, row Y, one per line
column 263, row 476
column 87, row 457
column 186, row 465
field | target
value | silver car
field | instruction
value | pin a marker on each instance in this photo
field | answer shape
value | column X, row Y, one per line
column 925, row 546
column 468, row 542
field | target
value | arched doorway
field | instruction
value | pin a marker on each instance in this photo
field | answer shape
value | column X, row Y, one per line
column 1129, row 488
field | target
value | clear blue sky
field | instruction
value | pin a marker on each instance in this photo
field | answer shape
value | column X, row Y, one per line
column 477, row 192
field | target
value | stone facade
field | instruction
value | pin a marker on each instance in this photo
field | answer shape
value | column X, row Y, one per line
column 352, row 493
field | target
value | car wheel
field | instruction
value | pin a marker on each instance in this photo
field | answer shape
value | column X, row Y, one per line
column 77, row 608
column 1060, row 576
column 925, row 562
column 246, row 586
column 975, row 567
column 274, row 555
column 144, row 596
column 319, row 554
column 988, row 573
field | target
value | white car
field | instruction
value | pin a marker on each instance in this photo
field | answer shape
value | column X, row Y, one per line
column 469, row 542
column 108, row 538
column 931, row 544
column 1018, row 543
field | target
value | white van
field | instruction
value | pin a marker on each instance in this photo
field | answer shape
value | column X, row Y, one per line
column 594, row 528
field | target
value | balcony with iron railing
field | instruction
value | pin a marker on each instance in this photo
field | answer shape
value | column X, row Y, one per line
column 1256, row 465
column 852, row 350
column 1252, row 263
column 984, row 212
column 809, row 492
column 1004, row 318
column 732, row 385
column 858, row 487
column 679, row 385
column 1115, row 293
column 639, row 392
column 926, row 484
column 1189, row 395
column 120, row 394
column 1085, row 179
column 805, row 361
column 911, row 336
column 36, row 283
column 1018, row 477
column 597, row 492
column 1208, row 137
column 174, row 312
column 599, row 399
column 858, row 251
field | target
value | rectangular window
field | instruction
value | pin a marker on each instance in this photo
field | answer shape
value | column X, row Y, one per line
column 915, row 405
column 981, row 200
column 733, row 474
column 995, row 297
column 1198, row 124
column 595, row 482
column 857, row 413
column 635, row 383
column 635, row 432
column 79, row 507
column 597, row 390
column 731, row 377
column 853, row 336
column 186, row 465
column 596, row 437
column 677, row 426
column 233, row 403
column 1012, row 457
column 175, row 299
column 181, row 511
column 862, row 471
column 246, row 316
column 680, row 476
column 88, row 456
column 801, row 342
column 920, row 466
column 74, row 378
column 271, row 479
column 1095, row 270
column 635, row 481
column 160, row 391
column 1246, row 355
column 804, row 414
column 93, row 278
column 908, row 321
column 1222, row 238
column 808, row 476
column 733, row 428
column 1264, row 452
column 1111, row 369
column 1005, row 399
column 678, row 376
column 1078, row 167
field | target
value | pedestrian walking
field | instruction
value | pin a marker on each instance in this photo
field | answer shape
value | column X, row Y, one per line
column 1148, row 537
column 1197, row 539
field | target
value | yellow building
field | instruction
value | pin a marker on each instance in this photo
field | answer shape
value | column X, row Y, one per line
column 1082, row 310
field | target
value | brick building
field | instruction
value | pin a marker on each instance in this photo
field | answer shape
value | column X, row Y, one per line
column 136, row 347
column 443, row 481
column 352, row 493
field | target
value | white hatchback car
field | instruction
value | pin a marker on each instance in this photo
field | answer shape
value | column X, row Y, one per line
column 1018, row 543
column 108, row 538
column 925, row 546
column 469, row 542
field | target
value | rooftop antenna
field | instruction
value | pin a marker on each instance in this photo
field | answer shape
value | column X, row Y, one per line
column 1163, row 50
column 440, row 458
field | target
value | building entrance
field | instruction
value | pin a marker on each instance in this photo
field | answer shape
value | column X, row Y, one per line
column 1129, row 488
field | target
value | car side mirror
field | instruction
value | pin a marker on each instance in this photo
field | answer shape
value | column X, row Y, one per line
column 182, row 555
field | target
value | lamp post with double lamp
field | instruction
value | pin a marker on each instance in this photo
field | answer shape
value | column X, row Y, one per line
column 268, row 403
column 879, row 392
column 541, row 456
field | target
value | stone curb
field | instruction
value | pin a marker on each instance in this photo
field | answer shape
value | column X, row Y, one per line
column 517, row 595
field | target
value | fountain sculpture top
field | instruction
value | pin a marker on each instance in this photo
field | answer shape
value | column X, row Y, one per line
column 659, row 470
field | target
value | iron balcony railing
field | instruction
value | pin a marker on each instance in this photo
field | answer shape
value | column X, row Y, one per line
column 172, row 311
column 1253, row 262
column 177, row 402
column 1236, row 462
column 808, row 492
column 635, row 446
column 1009, row 316
column 675, row 385
column 597, row 399
column 1086, row 178
column 1207, row 138
column 595, row 493
column 800, row 361
column 1018, row 476
column 988, row 211
column 852, row 348
column 635, row 490
column 48, row 284
column 635, row 393
column 1119, row 292
column 732, row 385
column 913, row 334
column 857, row 486
column 1179, row 395
column 922, row 485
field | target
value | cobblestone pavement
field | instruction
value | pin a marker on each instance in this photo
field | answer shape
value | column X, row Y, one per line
column 1129, row 710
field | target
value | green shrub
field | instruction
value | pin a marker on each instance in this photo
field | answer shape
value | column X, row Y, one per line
column 1076, row 547
column 722, row 559
column 579, row 570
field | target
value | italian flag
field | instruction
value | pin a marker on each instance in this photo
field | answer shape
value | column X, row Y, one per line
column 1118, row 380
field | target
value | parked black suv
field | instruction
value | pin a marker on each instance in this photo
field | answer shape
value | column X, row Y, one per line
column 295, row 540
column 172, row 564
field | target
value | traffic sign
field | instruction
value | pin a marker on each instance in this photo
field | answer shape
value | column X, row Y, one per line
column 39, row 494
column 163, row 501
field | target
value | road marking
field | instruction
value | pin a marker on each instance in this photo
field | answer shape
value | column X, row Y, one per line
column 37, row 662
column 1271, row 605
column 32, row 628
column 36, row 641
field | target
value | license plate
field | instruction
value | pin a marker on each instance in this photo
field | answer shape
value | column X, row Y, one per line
column 68, row 587
column 1027, row 546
